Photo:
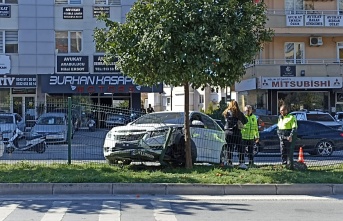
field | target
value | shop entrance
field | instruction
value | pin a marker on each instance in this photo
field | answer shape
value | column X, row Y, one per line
column 25, row 106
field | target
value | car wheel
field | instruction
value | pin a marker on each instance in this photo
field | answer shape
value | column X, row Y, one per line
column 41, row 147
column 324, row 148
column 181, row 145
column 111, row 162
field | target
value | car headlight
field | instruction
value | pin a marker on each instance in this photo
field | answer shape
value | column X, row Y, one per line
column 109, row 135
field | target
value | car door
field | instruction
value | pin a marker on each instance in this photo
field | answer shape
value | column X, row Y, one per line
column 209, row 138
column 20, row 122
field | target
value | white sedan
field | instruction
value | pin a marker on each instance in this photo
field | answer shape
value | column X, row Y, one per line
column 146, row 138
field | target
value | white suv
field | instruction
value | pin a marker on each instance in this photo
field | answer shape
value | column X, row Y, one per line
column 318, row 116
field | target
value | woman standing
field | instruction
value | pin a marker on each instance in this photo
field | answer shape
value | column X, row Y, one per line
column 234, row 118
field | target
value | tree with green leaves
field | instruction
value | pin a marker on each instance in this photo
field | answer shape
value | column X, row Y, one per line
column 187, row 43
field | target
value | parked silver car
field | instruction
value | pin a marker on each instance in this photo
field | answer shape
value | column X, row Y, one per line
column 54, row 125
column 318, row 116
column 8, row 124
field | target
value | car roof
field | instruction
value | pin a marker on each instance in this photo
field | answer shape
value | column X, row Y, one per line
column 53, row 114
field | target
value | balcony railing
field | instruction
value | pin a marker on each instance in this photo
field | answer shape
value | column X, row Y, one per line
column 296, row 61
column 303, row 12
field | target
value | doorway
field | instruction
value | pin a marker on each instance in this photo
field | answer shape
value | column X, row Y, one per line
column 24, row 105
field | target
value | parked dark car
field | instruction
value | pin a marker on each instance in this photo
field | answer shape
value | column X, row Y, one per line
column 315, row 139
column 266, row 121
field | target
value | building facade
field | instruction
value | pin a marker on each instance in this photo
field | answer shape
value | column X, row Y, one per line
column 303, row 65
column 47, row 52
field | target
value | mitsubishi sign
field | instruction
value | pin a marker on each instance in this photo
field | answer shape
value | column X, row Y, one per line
column 93, row 83
column 300, row 82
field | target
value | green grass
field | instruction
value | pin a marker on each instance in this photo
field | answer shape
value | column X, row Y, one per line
column 25, row 172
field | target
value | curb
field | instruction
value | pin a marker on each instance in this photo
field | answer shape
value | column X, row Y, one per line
column 168, row 189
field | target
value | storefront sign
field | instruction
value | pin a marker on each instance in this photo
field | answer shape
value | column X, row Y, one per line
column 99, row 10
column 245, row 85
column 333, row 20
column 294, row 20
column 314, row 20
column 93, row 83
column 72, row 64
column 300, row 82
column 99, row 65
column 5, row 64
column 5, row 11
column 287, row 70
column 24, row 81
column 72, row 13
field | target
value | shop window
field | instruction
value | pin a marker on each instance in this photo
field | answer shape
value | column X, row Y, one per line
column 201, row 99
column 70, row 2
column 8, row 41
column 107, row 2
column 68, row 41
column 294, row 52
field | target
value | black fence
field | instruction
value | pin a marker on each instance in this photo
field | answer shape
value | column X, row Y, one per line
column 85, row 132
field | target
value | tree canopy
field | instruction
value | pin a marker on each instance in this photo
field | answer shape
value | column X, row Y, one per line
column 203, row 42
column 186, row 43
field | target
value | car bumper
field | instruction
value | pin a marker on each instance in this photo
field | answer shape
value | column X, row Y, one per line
column 131, row 154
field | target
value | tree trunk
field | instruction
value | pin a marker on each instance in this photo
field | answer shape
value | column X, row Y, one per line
column 189, row 163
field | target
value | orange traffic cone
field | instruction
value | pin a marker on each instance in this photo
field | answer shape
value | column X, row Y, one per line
column 301, row 156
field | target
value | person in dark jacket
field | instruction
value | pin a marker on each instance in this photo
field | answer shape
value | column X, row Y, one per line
column 233, row 137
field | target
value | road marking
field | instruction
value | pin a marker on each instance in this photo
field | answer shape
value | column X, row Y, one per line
column 57, row 211
column 110, row 211
column 6, row 208
column 163, row 211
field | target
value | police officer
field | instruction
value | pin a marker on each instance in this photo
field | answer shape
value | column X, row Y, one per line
column 250, row 133
column 287, row 128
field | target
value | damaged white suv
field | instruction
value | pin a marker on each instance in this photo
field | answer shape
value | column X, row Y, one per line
column 159, row 136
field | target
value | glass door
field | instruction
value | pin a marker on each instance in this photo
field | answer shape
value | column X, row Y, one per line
column 25, row 107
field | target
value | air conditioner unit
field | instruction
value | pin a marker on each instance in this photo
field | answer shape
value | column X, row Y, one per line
column 316, row 41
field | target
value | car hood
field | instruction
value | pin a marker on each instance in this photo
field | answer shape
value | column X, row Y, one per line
column 139, row 128
column 49, row 128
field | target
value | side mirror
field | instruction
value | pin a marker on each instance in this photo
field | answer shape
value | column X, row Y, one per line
column 197, row 123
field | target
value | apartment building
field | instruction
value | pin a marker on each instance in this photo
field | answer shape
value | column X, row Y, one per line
column 303, row 65
column 47, row 52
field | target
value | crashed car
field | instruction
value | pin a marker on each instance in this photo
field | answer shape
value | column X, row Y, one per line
column 159, row 136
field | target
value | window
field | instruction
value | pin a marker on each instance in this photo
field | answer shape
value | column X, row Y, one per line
column 8, row 1
column 70, row 2
column 201, row 99
column 168, row 101
column 107, row 2
column 68, row 41
column 294, row 52
column 8, row 42
column 294, row 6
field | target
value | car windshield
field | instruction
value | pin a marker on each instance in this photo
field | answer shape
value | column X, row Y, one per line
column 50, row 120
column 319, row 117
column 6, row 120
column 157, row 118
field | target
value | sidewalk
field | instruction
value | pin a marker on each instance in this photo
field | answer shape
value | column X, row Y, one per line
column 169, row 189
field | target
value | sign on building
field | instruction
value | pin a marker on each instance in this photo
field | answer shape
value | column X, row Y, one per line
column 5, row 11
column 294, row 20
column 300, row 82
column 72, row 13
column 72, row 64
column 100, row 66
column 23, row 81
column 314, row 20
column 287, row 70
column 5, row 64
column 98, row 10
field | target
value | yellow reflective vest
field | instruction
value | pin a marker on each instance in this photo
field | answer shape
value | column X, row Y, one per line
column 250, row 130
column 287, row 123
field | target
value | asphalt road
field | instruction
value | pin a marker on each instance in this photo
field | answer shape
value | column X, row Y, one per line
column 87, row 146
column 173, row 208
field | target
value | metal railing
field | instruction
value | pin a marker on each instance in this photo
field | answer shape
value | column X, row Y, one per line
column 296, row 61
column 302, row 12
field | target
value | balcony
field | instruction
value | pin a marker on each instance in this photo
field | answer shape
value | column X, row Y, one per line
column 305, row 22
column 303, row 68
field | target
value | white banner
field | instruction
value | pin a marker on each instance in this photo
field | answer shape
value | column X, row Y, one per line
column 300, row 82
column 5, row 64
column 334, row 20
column 294, row 20
column 314, row 20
